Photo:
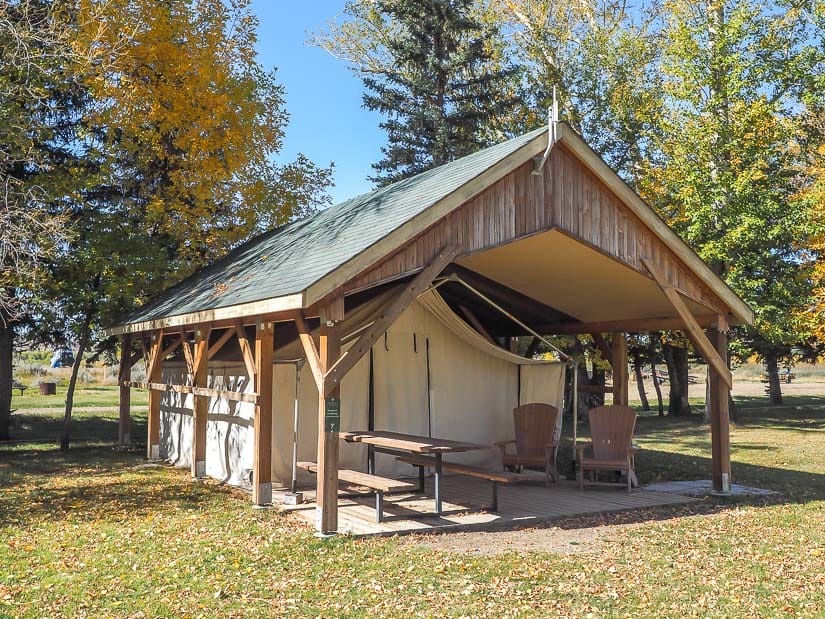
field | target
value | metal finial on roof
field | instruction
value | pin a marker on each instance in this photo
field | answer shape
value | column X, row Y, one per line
column 552, row 134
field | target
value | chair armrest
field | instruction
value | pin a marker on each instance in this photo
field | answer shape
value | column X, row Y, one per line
column 502, row 446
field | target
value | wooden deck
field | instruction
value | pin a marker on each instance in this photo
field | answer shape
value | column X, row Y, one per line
column 465, row 499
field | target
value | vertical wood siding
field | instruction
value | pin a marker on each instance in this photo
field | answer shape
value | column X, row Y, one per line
column 568, row 197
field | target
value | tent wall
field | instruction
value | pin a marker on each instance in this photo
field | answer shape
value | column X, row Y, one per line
column 229, row 429
column 472, row 392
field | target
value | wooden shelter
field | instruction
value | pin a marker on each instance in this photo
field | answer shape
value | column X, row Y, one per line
column 539, row 225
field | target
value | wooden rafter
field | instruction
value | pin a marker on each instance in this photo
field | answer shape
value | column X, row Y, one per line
column 692, row 327
column 638, row 325
column 388, row 315
column 310, row 350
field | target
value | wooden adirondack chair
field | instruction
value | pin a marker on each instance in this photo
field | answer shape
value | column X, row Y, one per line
column 535, row 440
column 611, row 431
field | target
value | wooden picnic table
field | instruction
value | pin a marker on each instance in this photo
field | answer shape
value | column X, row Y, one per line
column 397, row 443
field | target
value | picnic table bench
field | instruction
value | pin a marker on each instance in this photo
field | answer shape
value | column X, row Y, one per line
column 400, row 444
column 16, row 384
column 494, row 477
column 378, row 485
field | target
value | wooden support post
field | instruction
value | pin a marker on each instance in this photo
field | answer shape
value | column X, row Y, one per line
column 618, row 362
column 719, row 392
column 200, row 403
column 692, row 328
column 125, row 374
column 154, row 375
column 262, row 459
column 329, row 408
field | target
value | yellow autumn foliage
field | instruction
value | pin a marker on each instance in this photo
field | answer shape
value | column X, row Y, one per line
column 194, row 121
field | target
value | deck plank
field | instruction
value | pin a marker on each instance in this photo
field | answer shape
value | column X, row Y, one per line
column 465, row 501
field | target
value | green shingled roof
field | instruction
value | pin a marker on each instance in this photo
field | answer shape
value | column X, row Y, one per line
column 289, row 259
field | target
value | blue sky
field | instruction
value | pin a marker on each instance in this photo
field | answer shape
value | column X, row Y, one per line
column 323, row 97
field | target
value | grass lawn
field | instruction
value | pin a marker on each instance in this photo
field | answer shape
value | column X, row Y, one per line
column 85, row 396
column 97, row 533
column 94, row 414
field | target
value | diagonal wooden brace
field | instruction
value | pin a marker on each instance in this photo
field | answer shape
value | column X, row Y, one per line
column 390, row 313
column 310, row 350
column 694, row 331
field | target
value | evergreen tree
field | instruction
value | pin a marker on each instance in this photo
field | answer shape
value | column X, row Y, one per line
column 439, row 88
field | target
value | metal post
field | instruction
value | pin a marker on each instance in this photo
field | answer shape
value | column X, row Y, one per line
column 294, row 485
column 438, row 483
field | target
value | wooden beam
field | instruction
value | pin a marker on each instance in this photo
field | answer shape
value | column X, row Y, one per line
column 636, row 325
column 173, row 346
column 236, row 396
column 327, row 490
column 310, row 350
column 618, row 362
column 389, row 314
column 476, row 324
column 718, row 405
column 693, row 329
column 200, row 405
column 262, row 454
column 153, row 375
column 246, row 350
column 124, row 426
column 222, row 340
column 602, row 345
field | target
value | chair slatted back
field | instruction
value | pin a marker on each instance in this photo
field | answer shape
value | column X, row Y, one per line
column 535, row 427
column 611, row 430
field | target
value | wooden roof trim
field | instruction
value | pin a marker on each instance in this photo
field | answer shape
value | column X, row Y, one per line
column 418, row 224
column 653, row 222
column 231, row 313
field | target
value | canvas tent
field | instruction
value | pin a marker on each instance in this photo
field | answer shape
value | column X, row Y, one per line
column 433, row 375
column 539, row 224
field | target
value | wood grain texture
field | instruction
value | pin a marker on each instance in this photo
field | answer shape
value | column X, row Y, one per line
column 568, row 196
column 262, row 450
column 200, row 408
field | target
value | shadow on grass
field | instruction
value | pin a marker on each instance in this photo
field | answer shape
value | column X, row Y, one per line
column 93, row 483
column 45, row 427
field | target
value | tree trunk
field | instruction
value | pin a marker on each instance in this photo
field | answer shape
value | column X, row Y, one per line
column 707, row 394
column 676, row 359
column 774, row 384
column 640, row 384
column 81, row 349
column 6, row 375
column 651, row 356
